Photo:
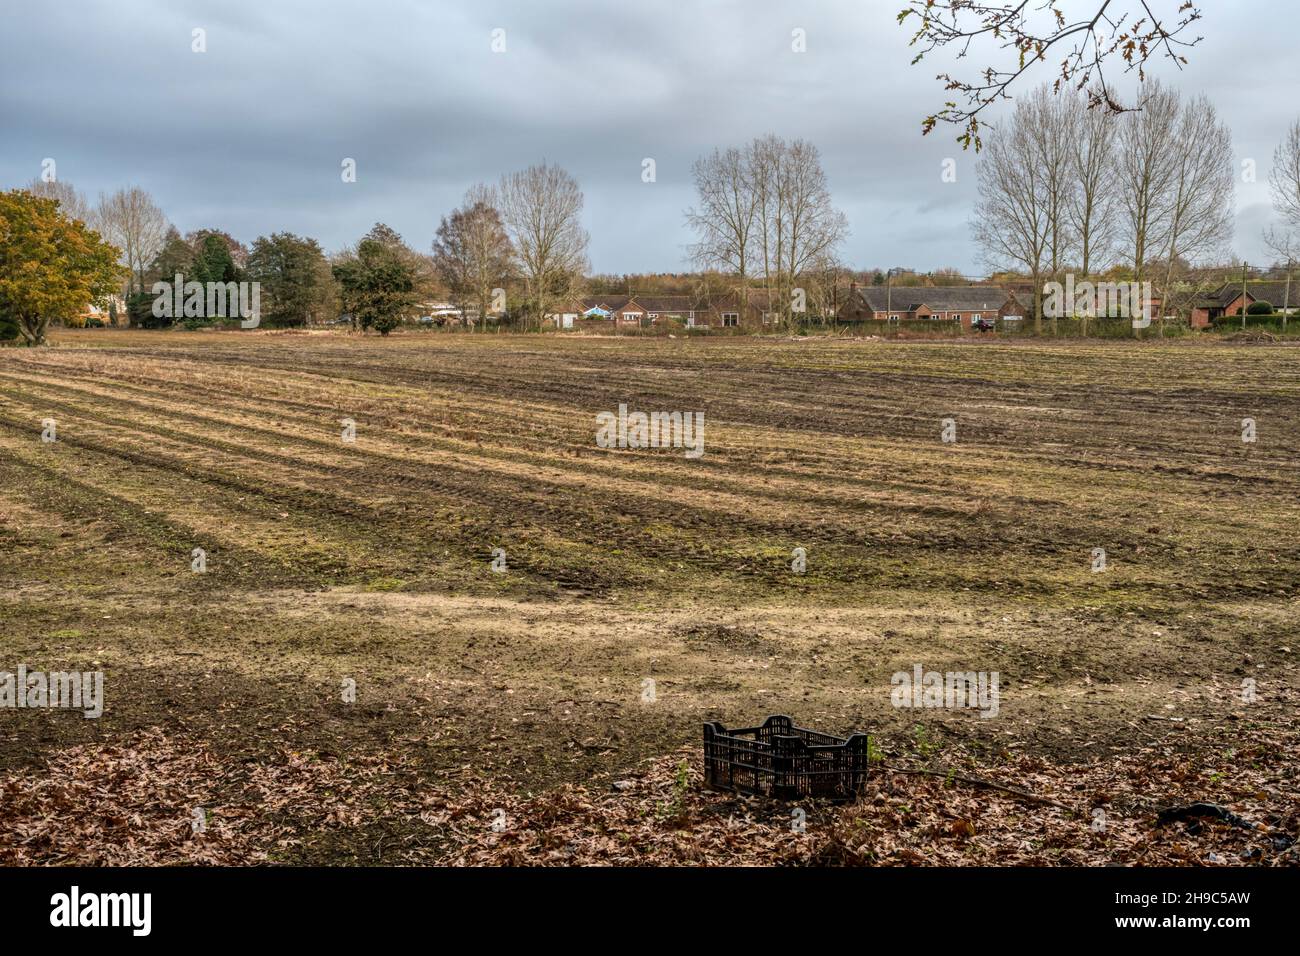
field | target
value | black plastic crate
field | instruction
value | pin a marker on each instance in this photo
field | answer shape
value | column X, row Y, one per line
column 781, row 760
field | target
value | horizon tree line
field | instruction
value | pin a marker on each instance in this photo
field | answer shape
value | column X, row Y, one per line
column 764, row 213
column 1061, row 187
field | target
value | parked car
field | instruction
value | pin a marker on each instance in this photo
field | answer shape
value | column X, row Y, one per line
column 983, row 325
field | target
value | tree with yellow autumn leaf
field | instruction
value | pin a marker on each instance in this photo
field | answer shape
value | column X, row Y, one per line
column 51, row 267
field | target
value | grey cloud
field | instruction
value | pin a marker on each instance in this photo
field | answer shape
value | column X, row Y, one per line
column 250, row 135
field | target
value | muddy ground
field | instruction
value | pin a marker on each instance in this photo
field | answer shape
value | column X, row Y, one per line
column 371, row 561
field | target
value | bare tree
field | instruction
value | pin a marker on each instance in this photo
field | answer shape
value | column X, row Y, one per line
column 1284, row 240
column 1284, row 177
column 1287, row 249
column 766, row 210
column 1093, row 204
column 825, row 277
column 1046, row 133
column 472, row 252
column 132, row 221
column 1012, row 222
column 763, row 160
column 1146, row 176
column 798, row 225
column 813, row 226
column 540, row 207
column 726, row 213
column 1027, row 31
column 1200, row 203
column 1283, row 243
column 72, row 202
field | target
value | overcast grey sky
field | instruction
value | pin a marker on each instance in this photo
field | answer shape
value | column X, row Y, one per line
column 249, row 136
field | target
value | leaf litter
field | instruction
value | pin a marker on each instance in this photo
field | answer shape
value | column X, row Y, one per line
column 133, row 802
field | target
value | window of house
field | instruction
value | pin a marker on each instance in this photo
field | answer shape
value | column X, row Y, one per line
column 730, row 318
column 957, row 316
column 631, row 316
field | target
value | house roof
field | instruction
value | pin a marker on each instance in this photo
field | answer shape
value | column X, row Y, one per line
column 757, row 299
column 668, row 303
column 764, row 300
column 610, row 303
column 1272, row 291
column 937, row 298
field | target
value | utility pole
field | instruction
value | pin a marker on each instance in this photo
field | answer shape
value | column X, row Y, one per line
column 835, row 298
column 1243, row 296
column 1286, row 300
column 889, row 298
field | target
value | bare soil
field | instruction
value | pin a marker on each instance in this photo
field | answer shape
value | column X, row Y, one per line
column 370, row 561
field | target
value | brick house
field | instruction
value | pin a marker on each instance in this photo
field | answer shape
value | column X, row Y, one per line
column 587, row 312
column 1024, row 299
column 764, row 308
column 962, row 304
column 635, row 311
column 601, row 306
column 629, row 314
column 753, row 310
column 642, row 310
column 1229, row 299
column 687, row 309
column 723, row 312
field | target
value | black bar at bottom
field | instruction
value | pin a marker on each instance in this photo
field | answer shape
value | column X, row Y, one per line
column 334, row 905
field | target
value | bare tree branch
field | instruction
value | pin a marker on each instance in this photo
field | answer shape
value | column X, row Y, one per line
column 1027, row 32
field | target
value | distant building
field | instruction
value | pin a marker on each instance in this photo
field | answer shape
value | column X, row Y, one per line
column 1229, row 299
column 115, row 305
column 439, row 313
column 754, row 310
column 964, row 304
column 622, row 311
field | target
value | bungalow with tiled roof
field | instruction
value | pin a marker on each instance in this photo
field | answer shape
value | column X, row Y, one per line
column 692, row 311
column 728, row 311
column 964, row 304
column 587, row 309
column 640, row 309
column 1230, row 299
column 602, row 306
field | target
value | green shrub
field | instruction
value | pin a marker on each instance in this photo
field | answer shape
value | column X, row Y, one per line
column 139, row 306
column 8, row 328
column 1260, row 308
column 1233, row 323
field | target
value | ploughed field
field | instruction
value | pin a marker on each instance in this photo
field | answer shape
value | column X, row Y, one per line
column 371, row 561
